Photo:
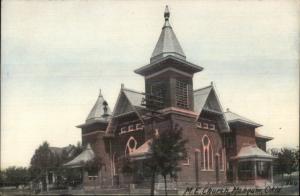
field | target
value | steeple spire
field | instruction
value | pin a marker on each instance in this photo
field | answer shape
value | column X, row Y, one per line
column 167, row 43
column 167, row 13
column 167, row 16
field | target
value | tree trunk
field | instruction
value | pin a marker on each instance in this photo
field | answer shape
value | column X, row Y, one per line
column 47, row 186
column 153, row 182
column 166, row 191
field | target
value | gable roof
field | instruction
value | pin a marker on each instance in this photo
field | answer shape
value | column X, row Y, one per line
column 97, row 113
column 134, row 97
column 167, row 43
column 58, row 151
column 235, row 118
column 201, row 99
column 129, row 101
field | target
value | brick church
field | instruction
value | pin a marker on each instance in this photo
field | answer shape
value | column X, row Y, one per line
column 222, row 146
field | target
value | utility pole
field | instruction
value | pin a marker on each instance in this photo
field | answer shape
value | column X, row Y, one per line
column 153, row 104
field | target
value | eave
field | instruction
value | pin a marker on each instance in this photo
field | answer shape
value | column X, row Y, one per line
column 243, row 122
column 91, row 123
column 161, row 63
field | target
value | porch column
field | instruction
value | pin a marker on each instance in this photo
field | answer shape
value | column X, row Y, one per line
column 53, row 178
column 271, row 172
column 100, row 178
column 255, row 171
column 235, row 171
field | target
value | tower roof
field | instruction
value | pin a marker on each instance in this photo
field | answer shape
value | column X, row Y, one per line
column 167, row 43
column 98, row 112
column 168, row 53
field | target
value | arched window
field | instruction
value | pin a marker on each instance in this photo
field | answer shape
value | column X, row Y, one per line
column 130, row 146
column 208, row 157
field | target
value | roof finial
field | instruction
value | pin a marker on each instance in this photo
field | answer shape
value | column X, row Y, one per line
column 122, row 86
column 100, row 92
column 167, row 13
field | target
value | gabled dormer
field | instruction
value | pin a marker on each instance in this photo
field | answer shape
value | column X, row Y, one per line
column 209, row 109
column 169, row 76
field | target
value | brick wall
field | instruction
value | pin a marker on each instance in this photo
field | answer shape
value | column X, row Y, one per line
column 194, row 136
column 99, row 147
column 244, row 136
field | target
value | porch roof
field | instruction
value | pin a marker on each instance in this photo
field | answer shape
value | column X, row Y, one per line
column 142, row 152
column 79, row 161
column 263, row 137
column 252, row 151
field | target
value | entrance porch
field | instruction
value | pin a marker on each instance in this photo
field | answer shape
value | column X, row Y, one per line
column 252, row 166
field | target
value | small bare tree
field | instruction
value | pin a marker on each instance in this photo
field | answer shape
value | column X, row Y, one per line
column 167, row 150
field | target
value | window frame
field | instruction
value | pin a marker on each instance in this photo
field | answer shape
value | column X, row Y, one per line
column 131, row 128
column 182, row 93
column 207, row 151
column 130, row 150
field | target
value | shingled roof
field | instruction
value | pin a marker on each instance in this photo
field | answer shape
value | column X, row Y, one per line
column 168, row 53
column 252, row 151
column 263, row 137
column 134, row 97
column 85, row 156
column 200, row 97
column 234, row 118
column 97, row 113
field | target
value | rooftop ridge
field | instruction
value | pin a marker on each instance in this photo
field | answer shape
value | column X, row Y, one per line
column 202, row 88
column 131, row 90
column 242, row 117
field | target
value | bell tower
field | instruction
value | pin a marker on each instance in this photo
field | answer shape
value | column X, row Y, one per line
column 169, row 75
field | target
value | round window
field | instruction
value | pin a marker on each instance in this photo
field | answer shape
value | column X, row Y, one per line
column 132, row 144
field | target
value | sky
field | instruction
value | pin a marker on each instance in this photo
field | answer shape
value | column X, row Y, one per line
column 56, row 55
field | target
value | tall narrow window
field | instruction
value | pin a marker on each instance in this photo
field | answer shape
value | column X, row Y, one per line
column 157, row 94
column 208, row 158
column 182, row 94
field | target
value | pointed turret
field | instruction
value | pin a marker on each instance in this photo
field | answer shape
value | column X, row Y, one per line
column 100, row 111
column 167, row 43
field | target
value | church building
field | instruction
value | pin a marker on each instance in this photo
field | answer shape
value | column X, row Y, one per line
column 222, row 146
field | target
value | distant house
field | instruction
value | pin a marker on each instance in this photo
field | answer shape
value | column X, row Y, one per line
column 222, row 145
column 65, row 153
